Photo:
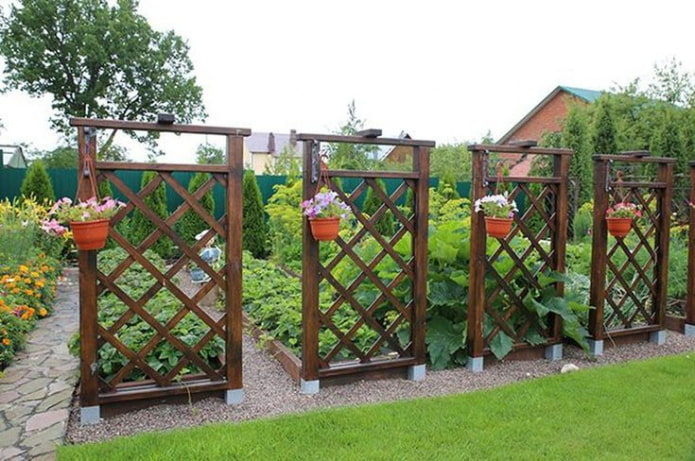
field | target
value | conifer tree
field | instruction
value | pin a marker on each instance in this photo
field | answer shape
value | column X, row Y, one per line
column 255, row 228
column 37, row 184
column 191, row 224
column 141, row 226
column 372, row 203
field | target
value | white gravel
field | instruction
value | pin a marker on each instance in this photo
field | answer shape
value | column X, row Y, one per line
column 268, row 391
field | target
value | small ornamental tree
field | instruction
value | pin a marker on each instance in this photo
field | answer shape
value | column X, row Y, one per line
column 575, row 136
column 191, row 224
column 37, row 184
column 141, row 226
column 604, row 130
column 372, row 203
column 255, row 229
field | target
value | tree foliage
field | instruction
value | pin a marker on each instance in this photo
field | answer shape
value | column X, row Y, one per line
column 141, row 227
column 98, row 59
column 286, row 164
column 351, row 156
column 575, row 136
column 37, row 184
column 372, row 202
column 191, row 224
column 604, row 130
column 208, row 154
column 255, row 229
column 451, row 159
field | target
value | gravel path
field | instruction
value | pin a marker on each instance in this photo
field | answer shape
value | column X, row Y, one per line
column 270, row 392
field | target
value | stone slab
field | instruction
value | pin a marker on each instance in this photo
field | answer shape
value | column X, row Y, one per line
column 45, row 419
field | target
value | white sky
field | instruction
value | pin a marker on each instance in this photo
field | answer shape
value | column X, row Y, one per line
column 443, row 70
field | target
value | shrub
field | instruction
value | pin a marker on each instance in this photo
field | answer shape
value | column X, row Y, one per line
column 255, row 228
column 37, row 183
column 285, row 224
column 141, row 227
column 191, row 224
column 372, row 203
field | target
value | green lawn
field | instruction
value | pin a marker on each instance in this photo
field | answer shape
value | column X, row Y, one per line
column 642, row 410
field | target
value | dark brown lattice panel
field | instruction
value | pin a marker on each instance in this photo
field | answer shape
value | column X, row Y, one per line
column 364, row 296
column 514, row 266
column 507, row 275
column 629, row 275
column 364, row 329
column 144, row 306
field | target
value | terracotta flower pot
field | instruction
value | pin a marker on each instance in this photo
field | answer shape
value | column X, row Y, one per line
column 324, row 228
column 498, row 227
column 619, row 227
column 90, row 235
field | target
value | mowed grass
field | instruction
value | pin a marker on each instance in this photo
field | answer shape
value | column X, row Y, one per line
column 632, row 411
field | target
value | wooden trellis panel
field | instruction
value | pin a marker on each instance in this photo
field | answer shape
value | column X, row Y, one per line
column 94, row 336
column 629, row 275
column 501, row 277
column 690, row 301
column 387, row 329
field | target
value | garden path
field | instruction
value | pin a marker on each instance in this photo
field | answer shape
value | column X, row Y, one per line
column 37, row 389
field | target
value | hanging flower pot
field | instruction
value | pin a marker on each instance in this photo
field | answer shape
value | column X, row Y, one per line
column 619, row 227
column 324, row 229
column 90, row 235
column 498, row 227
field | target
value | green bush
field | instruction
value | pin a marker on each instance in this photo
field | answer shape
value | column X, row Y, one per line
column 141, row 227
column 255, row 228
column 37, row 184
column 191, row 224
column 285, row 225
column 372, row 203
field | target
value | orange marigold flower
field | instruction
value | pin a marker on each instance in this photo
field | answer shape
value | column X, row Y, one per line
column 34, row 274
column 29, row 292
column 27, row 280
column 15, row 290
column 7, row 341
column 23, row 269
column 40, row 283
column 43, row 312
column 44, row 268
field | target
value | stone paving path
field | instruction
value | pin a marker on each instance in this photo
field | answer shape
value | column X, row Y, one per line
column 37, row 389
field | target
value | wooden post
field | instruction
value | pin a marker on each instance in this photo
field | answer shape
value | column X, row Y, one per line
column 233, row 248
column 690, row 299
column 421, row 165
column 89, row 382
column 561, row 164
column 599, row 247
column 310, row 279
column 664, row 175
column 476, row 291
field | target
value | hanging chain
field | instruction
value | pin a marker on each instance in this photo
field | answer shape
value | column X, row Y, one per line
column 315, row 161
column 88, row 169
column 486, row 155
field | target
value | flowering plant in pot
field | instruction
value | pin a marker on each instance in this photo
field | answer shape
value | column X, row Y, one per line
column 88, row 220
column 619, row 218
column 499, row 210
column 324, row 211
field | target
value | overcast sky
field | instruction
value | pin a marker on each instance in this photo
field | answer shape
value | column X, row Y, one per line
column 443, row 70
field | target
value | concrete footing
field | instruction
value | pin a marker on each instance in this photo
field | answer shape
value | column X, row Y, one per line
column 309, row 387
column 596, row 347
column 553, row 352
column 689, row 330
column 658, row 337
column 234, row 396
column 90, row 415
column 475, row 364
column 417, row 372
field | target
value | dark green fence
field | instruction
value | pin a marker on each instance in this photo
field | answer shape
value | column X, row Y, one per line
column 65, row 185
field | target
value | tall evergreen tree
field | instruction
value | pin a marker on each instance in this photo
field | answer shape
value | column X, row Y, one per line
column 372, row 202
column 668, row 141
column 191, row 224
column 255, row 228
column 141, row 226
column 37, row 184
column 575, row 136
column 603, row 140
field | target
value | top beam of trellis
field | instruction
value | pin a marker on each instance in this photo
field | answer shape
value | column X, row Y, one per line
column 364, row 140
column 146, row 126
column 634, row 158
column 503, row 149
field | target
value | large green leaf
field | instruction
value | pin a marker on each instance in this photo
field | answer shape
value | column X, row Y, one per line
column 501, row 345
column 443, row 340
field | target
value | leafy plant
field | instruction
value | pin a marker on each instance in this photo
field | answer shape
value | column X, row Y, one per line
column 255, row 228
column 37, row 184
